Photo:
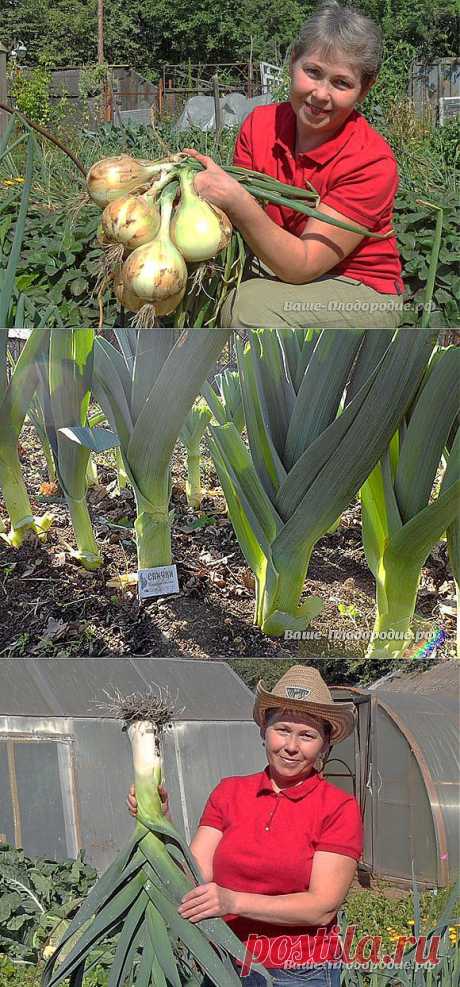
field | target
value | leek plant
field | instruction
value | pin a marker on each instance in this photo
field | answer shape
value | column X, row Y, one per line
column 191, row 435
column 65, row 392
column 16, row 395
column 400, row 524
column 139, row 894
column 225, row 399
column 146, row 387
column 319, row 412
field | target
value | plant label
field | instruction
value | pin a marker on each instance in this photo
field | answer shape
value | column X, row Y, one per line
column 159, row 581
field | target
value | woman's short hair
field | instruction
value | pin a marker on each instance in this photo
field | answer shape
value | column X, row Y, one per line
column 333, row 28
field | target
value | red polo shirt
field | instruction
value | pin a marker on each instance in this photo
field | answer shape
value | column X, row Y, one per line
column 354, row 172
column 267, row 847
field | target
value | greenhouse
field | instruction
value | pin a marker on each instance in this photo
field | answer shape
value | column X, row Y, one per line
column 65, row 764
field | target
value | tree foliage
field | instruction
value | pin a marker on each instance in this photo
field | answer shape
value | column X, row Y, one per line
column 147, row 33
column 346, row 671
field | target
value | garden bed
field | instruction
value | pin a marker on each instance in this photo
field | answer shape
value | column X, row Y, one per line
column 52, row 607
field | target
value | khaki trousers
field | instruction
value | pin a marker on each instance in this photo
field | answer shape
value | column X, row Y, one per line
column 327, row 303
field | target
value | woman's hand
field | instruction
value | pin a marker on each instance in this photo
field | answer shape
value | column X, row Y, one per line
column 207, row 901
column 131, row 801
column 214, row 184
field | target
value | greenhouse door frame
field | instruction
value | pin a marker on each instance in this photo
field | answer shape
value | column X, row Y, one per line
column 65, row 751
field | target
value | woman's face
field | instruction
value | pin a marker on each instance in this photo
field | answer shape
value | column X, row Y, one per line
column 323, row 93
column 292, row 743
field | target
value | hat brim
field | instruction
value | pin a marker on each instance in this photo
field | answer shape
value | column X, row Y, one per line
column 341, row 716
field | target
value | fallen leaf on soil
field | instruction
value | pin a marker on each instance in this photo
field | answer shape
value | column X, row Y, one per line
column 55, row 629
column 31, row 568
column 217, row 579
column 248, row 580
column 59, row 560
column 122, row 582
column 97, row 494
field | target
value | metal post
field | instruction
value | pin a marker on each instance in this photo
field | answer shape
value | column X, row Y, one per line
column 3, row 89
column 217, row 112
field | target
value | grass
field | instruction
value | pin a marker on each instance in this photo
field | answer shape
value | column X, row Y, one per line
column 19, row 975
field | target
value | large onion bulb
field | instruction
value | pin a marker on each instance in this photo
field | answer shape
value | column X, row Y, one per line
column 131, row 220
column 112, row 177
column 199, row 229
column 156, row 271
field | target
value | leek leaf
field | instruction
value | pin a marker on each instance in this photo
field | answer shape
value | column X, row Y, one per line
column 427, row 433
column 191, row 937
column 96, row 439
column 318, row 396
column 160, row 941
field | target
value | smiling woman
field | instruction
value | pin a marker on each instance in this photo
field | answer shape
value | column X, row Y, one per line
column 278, row 849
column 305, row 271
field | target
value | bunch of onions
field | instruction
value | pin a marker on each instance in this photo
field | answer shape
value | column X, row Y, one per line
column 199, row 229
column 111, row 178
column 137, row 898
column 156, row 272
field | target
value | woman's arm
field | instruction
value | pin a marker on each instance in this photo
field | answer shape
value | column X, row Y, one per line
column 331, row 877
column 296, row 260
column 204, row 846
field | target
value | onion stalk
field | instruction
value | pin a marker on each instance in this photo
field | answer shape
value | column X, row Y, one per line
column 138, row 896
column 199, row 229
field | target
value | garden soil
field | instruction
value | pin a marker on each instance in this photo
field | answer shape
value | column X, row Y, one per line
column 50, row 606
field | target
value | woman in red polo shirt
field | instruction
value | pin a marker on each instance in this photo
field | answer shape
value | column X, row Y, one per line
column 309, row 272
column 278, row 849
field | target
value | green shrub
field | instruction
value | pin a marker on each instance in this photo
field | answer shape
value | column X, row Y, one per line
column 30, row 92
column 36, row 897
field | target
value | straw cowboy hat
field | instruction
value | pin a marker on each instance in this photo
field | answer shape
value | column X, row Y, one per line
column 302, row 689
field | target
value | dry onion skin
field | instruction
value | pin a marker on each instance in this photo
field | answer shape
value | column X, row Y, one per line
column 199, row 229
column 131, row 220
column 113, row 177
